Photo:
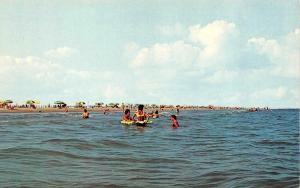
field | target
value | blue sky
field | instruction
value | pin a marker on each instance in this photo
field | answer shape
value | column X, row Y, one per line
column 232, row 53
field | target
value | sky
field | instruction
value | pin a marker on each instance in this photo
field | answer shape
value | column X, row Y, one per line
column 192, row 52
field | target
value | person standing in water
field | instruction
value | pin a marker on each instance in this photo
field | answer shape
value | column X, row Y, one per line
column 85, row 114
column 174, row 121
column 140, row 115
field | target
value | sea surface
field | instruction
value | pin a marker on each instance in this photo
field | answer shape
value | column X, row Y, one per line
column 210, row 149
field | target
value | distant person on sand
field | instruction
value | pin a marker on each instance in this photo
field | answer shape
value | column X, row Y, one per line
column 123, row 107
column 85, row 114
column 140, row 114
column 126, row 116
column 174, row 121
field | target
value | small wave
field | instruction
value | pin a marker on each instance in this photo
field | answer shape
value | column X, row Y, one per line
column 17, row 151
column 59, row 141
column 77, row 143
column 275, row 143
column 115, row 143
column 270, row 182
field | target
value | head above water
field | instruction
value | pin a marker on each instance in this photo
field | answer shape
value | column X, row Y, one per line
column 127, row 111
column 85, row 110
column 140, row 107
column 173, row 116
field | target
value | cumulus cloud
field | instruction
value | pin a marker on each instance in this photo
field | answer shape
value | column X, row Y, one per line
column 283, row 54
column 61, row 52
column 199, row 56
column 28, row 77
column 178, row 53
column 273, row 93
column 210, row 56
column 212, row 36
column 210, row 46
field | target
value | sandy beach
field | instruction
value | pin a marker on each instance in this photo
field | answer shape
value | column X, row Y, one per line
column 103, row 109
column 55, row 110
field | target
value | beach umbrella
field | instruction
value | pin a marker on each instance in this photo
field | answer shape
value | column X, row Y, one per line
column 59, row 102
column 8, row 101
column 32, row 102
column 1, row 102
column 81, row 103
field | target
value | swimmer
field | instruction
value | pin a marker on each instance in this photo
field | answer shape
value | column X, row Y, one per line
column 155, row 114
column 174, row 121
column 140, row 115
column 126, row 116
column 85, row 114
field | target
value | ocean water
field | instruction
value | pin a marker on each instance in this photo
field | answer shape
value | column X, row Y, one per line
column 210, row 149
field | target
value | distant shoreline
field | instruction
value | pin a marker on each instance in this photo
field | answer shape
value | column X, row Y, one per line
column 101, row 110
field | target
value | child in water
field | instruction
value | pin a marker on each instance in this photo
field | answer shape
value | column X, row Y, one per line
column 85, row 114
column 140, row 114
column 174, row 120
column 155, row 114
column 126, row 116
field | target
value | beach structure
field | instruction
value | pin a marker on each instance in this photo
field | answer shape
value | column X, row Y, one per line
column 113, row 105
column 8, row 101
column 5, row 103
column 99, row 104
column 32, row 103
column 60, row 104
column 80, row 104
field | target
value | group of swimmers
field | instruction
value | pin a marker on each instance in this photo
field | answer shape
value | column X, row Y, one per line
column 140, row 118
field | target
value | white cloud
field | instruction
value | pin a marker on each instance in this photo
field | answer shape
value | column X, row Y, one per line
column 202, row 60
column 270, row 93
column 206, row 49
column 221, row 76
column 115, row 93
column 165, row 71
column 212, row 36
column 210, row 56
column 264, row 46
column 179, row 54
column 277, row 96
column 284, row 54
column 30, row 76
column 61, row 52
